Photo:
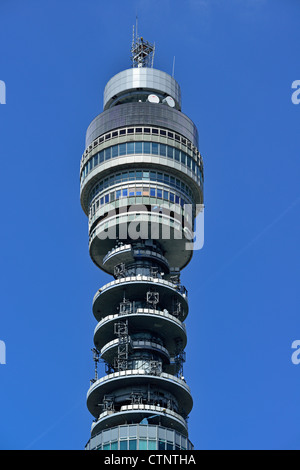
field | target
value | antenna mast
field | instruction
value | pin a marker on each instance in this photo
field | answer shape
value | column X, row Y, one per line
column 142, row 52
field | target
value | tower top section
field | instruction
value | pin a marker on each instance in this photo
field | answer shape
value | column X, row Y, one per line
column 142, row 52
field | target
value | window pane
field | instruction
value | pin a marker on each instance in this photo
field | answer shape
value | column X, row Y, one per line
column 132, row 444
column 152, row 445
column 142, row 444
column 139, row 147
column 130, row 147
column 146, row 147
column 108, row 153
column 114, row 150
column 101, row 156
column 163, row 150
column 152, row 191
column 125, row 192
column 154, row 148
column 123, row 445
column 122, row 149
column 114, row 445
column 159, row 193
column 161, row 445
column 170, row 152
column 177, row 155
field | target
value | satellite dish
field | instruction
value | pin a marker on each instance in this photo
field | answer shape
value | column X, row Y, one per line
column 153, row 99
column 169, row 101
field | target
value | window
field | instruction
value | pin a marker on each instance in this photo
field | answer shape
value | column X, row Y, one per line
column 177, row 155
column 139, row 147
column 107, row 153
column 147, row 147
column 152, row 192
column 142, row 444
column 114, row 151
column 123, row 445
column 125, row 192
column 151, row 445
column 161, row 445
column 170, row 152
column 101, row 156
column 163, row 150
column 114, row 134
column 154, row 148
column 132, row 444
column 122, row 149
column 130, row 147
column 159, row 193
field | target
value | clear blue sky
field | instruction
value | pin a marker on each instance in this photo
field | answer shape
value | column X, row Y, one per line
column 235, row 62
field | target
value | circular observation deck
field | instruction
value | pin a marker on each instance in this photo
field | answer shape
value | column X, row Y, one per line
column 107, row 300
column 129, row 379
column 137, row 83
column 170, row 329
column 174, row 238
column 136, row 413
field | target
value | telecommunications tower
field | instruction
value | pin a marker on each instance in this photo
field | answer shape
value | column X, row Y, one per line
column 141, row 186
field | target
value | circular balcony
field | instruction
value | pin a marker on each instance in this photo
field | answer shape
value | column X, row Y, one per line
column 136, row 377
column 110, row 350
column 107, row 299
column 174, row 239
column 168, row 327
column 136, row 413
column 127, row 254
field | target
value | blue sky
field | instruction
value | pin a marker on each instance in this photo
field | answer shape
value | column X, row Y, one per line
column 235, row 61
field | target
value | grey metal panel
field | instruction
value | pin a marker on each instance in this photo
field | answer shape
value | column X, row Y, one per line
column 143, row 77
column 142, row 114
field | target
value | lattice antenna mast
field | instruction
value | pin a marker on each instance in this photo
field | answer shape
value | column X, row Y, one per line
column 142, row 52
